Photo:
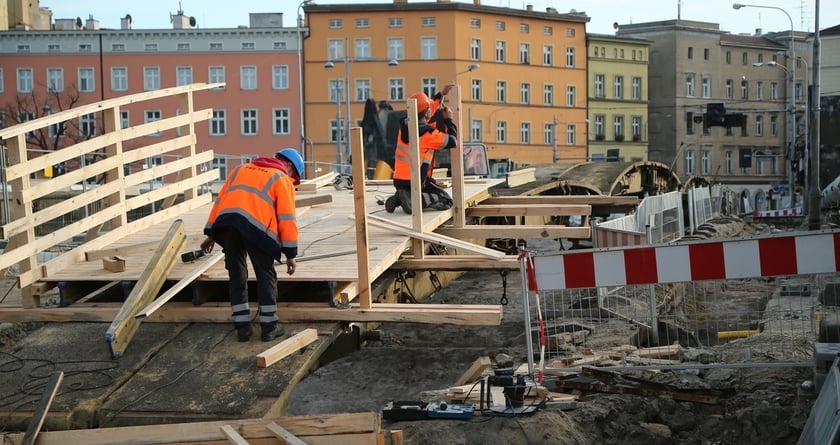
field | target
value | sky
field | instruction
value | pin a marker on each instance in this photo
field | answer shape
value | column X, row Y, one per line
column 154, row 14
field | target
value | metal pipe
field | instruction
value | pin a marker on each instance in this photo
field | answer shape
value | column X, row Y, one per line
column 814, row 218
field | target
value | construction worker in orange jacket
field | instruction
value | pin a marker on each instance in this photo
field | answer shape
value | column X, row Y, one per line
column 254, row 216
column 432, row 139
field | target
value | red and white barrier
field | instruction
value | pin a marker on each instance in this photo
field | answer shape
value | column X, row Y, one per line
column 787, row 254
column 795, row 211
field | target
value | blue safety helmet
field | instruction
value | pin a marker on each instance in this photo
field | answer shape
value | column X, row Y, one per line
column 292, row 155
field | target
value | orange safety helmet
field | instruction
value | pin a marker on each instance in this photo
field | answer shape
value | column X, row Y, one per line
column 423, row 101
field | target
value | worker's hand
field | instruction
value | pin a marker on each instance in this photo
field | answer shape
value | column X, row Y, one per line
column 207, row 245
column 447, row 113
column 290, row 266
column 447, row 88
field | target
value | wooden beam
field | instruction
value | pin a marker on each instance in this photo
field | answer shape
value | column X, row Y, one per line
column 472, row 374
column 320, row 427
column 47, row 397
column 457, row 262
column 565, row 199
column 361, row 215
column 232, row 436
column 284, row 434
column 520, row 177
column 303, row 201
column 457, row 160
column 417, row 248
column 515, row 232
column 383, row 223
column 124, row 326
column 529, row 210
column 98, row 292
column 286, row 347
column 203, row 265
column 312, row 185
column 97, row 254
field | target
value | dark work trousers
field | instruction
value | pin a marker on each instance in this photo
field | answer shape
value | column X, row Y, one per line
column 235, row 249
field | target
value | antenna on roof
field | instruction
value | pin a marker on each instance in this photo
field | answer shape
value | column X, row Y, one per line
column 679, row 9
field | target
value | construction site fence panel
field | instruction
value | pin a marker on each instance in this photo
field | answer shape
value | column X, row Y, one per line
column 658, row 219
column 700, row 207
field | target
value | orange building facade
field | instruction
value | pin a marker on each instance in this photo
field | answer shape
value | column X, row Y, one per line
column 256, row 113
column 522, row 73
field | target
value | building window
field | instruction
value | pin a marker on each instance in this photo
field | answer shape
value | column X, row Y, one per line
column 745, row 58
column 636, row 128
column 221, row 163
column 570, row 57
column 548, row 132
column 729, row 57
column 759, row 125
column 570, row 96
column 55, row 80
column 689, row 162
column 216, row 46
column 798, row 91
column 86, row 81
column 501, row 131
column 335, row 130
column 500, row 25
column 475, row 130
column 183, row 75
column 774, row 91
column 759, row 90
column 547, row 30
column 689, row 85
column 525, row 132
column 501, row 91
column 705, row 162
column 362, row 47
column 707, row 87
column 118, row 47
column 599, row 85
column 475, row 23
column 23, row 48
column 524, row 28
column 475, row 49
column 280, row 46
column 745, row 88
column 249, row 122
column 744, row 132
column 500, row 51
column 727, row 162
column 570, row 32
column 599, row 127
column 183, row 47
column 119, row 78
column 396, row 89
column 548, row 55
column 396, row 49
column 125, row 121
column 690, row 52
column 429, row 86
column 151, row 78
column 619, row 87
column 363, row 90
column 618, row 127
column 335, row 23
column 150, row 47
column 87, row 125
column 428, row 48
column 428, row 21
column 730, row 87
column 336, row 89
column 395, row 22
column 524, row 53
column 362, row 23
column 218, row 123
column 548, row 94
column 637, row 88
column 525, row 93
column 571, row 134
column 216, row 74
column 774, row 125
column 280, row 77
column 475, row 90
column 282, row 121
column 335, row 49
column 705, row 53
column 85, row 47
column 152, row 116
column 53, row 48
column 689, row 122
column 248, row 78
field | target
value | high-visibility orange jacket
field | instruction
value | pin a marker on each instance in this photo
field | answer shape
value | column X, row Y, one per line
column 258, row 201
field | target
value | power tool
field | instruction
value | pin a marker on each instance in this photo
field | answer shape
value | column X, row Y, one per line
column 189, row 257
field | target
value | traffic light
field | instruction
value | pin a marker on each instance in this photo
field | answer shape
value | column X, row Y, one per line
column 735, row 120
column 715, row 115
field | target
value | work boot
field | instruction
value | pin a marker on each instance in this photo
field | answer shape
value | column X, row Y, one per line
column 404, row 197
column 269, row 334
column 391, row 203
column 243, row 333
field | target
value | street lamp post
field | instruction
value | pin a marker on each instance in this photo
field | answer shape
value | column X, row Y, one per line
column 300, row 80
column 791, row 97
column 347, row 60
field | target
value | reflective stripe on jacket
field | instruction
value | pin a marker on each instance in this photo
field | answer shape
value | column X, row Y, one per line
column 258, row 201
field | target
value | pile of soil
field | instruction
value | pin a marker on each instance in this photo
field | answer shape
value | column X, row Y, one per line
column 419, row 362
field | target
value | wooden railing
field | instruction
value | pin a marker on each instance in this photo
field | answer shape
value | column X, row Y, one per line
column 106, row 204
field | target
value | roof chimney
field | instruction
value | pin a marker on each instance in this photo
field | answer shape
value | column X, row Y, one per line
column 758, row 32
column 529, row 7
column 91, row 23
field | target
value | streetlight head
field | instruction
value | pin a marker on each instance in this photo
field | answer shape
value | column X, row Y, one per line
column 758, row 64
column 771, row 63
column 738, row 5
column 329, row 65
column 393, row 62
column 473, row 66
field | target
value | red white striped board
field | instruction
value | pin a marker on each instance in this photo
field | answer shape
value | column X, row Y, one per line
column 786, row 254
column 616, row 238
column 795, row 211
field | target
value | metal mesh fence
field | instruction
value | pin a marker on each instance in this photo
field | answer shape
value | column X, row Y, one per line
column 749, row 322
